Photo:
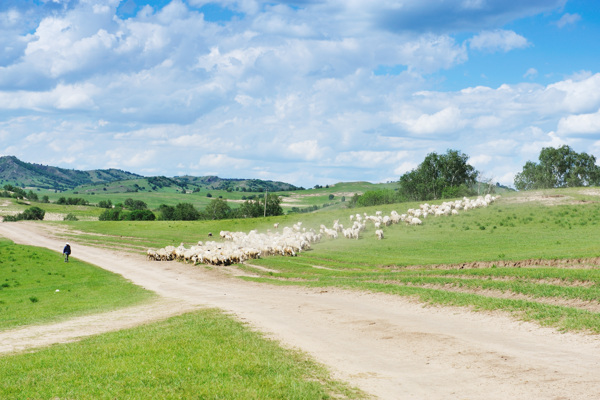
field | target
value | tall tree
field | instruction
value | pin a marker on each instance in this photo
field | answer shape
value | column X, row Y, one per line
column 217, row 209
column 561, row 167
column 439, row 176
column 256, row 208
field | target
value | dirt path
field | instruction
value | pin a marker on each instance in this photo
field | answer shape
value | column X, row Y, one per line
column 388, row 346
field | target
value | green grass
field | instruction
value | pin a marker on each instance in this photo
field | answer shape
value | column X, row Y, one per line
column 169, row 196
column 560, row 224
column 31, row 276
column 202, row 355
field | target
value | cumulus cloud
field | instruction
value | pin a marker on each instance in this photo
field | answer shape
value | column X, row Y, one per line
column 308, row 150
column 284, row 91
column 498, row 40
column 444, row 121
column 580, row 124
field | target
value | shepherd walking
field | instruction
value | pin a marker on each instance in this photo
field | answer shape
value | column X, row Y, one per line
column 67, row 251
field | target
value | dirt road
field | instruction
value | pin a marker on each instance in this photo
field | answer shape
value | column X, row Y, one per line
column 390, row 347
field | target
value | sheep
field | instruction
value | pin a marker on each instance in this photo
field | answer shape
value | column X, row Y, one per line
column 238, row 247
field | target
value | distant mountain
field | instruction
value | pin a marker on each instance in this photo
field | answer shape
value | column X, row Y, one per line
column 23, row 174
column 249, row 185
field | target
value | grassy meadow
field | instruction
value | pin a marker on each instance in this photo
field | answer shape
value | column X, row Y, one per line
column 514, row 247
column 37, row 286
column 204, row 354
column 535, row 255
column 200, row 355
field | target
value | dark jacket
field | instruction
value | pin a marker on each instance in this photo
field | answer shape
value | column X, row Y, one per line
column 67, row 250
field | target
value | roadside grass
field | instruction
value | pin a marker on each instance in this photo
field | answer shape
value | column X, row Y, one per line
column 203, row 355
column 37, row 286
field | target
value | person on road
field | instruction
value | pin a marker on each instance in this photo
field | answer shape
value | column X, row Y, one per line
column 66, row 252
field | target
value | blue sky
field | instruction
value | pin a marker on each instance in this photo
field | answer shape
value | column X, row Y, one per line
column 303, row 91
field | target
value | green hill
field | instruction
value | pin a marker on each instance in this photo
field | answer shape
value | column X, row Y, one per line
column 28, row 175
column 23, row 174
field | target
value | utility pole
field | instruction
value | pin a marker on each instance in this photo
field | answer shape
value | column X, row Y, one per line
column 266, row 195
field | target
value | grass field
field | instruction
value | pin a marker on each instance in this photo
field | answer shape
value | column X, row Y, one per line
column 534, row 255
column 300, row 199
column 198, row 355
column 202, row 355
column 534, row 230
column 37, row 286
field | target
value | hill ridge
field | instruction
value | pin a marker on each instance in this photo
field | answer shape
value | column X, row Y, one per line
column 24, row 174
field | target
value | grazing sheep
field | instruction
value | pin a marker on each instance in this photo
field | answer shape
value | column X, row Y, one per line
column 237, row 247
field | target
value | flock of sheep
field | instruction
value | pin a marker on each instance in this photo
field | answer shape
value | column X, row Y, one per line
column 237, row 247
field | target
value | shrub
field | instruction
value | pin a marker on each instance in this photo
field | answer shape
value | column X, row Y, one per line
column 70, row 217
column 30, row 214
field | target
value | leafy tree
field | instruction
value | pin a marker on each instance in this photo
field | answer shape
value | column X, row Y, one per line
column 256, row 208
column 167, row 213
column 113, row 214
column 17, row 192
column 374, row 198
column 436, row 174
column 561, row 167
column 30, row 214
column 72, row 201
column 140, row 215
column 135, row 204
column 32, row 196
column 33, row 213
column 217, row 209
column 185, row 212
column 105, row 204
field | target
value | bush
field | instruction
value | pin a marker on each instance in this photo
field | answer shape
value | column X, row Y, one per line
column 140, row 215
column 30, row 214
column 111, row 215
column 105, row 204
column 70, row 217
column 72, row 201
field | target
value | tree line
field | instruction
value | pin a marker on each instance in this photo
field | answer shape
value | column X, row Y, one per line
column 449, row 175
column 137, row 210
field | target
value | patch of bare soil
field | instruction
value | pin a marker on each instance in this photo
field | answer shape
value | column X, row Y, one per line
column 590, row 192
column 388, row 346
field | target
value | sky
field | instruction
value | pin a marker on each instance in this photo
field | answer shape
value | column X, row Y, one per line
column 309, row 92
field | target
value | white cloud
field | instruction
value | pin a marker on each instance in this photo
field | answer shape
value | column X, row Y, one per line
column 580, row 124
column 308, row 150
column 579, row 94
column 568, row 19
column 283, row 91
column 444, row 121
column 531, row 73
column 498, row 40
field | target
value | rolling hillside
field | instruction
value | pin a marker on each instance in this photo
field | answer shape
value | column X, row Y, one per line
column 23, row 174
